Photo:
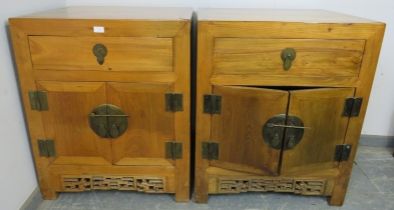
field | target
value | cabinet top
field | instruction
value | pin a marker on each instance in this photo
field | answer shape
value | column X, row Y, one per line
column 305, row 16
column 110, row 12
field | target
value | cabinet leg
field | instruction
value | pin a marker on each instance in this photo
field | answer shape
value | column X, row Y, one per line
column 49, row 194
column 182, row 196
column 201, row 197
column 337, row 199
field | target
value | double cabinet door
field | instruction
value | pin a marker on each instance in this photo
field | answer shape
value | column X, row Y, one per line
column 284, row 131
column 101, row 123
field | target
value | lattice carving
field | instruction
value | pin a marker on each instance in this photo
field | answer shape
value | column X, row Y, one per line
column 105, row 182
column 77, row 183
column 113, row 183
column 296, row 186
column 151, row 185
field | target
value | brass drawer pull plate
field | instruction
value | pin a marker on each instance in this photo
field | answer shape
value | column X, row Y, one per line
column 100, row 51
column 288, row 56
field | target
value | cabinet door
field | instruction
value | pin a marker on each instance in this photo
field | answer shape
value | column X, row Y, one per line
column 149, row 124
column 66, row 122
column 321, row 111
column 238, row 128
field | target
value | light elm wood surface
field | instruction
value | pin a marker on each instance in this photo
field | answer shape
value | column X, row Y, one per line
column 279, row 15
column 115, row 13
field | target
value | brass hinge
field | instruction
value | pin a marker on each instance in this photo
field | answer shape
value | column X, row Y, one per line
column 352, row 107
column 212, row 104
column 174, row 102
column 210, row 150
column 342, row 152
column 38, row 100
column 173, row 150
column 46, row 147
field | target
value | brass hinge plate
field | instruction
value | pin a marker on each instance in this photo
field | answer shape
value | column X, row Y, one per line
column 38, row 100
column 212, row 104
column 173, row 150
column 174, row 102
column 352, row 107
column 210, row 150
column 342, row 152
column 46, row 148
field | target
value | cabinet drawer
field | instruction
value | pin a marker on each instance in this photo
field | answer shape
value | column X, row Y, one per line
column 313, row 57
column 123, row 53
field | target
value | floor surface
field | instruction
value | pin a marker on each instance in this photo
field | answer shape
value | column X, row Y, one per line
column 371, row 187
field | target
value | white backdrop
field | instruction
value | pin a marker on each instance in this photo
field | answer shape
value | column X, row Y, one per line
column 380, row 114
column 17, row 175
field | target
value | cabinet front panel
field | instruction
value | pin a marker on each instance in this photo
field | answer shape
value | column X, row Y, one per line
column 309, row 57
column 321, row 112
column 238, row 128
column 67, row 122
column 120, row 53
column 149, row 124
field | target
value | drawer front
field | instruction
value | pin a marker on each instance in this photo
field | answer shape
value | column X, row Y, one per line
column 122, row 53
column 313, row 57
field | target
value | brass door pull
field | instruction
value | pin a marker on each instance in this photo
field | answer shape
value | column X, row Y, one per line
column 283, row 130
column 100, row 51
column 108, row 121
column 270, row 125
column 114, row 131
column 288, row 56
column 107, row 115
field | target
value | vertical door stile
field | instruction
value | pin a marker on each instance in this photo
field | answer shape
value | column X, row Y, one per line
column 239, row 129
column 284, row 134
column 321, row 113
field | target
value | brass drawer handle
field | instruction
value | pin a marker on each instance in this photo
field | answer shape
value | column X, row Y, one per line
column 100, row 51
column 288, row 56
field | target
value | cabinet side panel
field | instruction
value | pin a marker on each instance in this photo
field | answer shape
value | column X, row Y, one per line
column 33, row 118
column 182, row 119
column 368, row 68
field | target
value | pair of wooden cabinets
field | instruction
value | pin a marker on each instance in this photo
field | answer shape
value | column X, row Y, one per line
column 280, row 99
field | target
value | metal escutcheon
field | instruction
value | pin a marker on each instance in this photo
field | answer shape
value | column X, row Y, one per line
column 100, row 51
column 278, row 129
column 288, row 56
column 108, row 121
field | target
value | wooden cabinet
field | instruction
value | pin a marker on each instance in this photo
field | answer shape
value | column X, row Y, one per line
column 106, row 93
column 281, row 98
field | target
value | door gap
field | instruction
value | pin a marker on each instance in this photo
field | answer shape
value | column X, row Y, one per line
column 283, row 137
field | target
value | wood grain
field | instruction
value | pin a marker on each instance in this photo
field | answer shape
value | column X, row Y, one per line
column 116, row 13
column 238, row 128
column 314, row 58
column 67, row 121
column 368, row 69
column 321, row 111
column 225, row 62
column 182, row 119
column 145, row 51
column 277, row 15
column 124, row 53
column 149, row 124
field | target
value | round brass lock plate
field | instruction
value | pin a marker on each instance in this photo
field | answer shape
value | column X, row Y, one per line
column 294, row 132
column 291, row 127
column 272, row 135
column 108, row 121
